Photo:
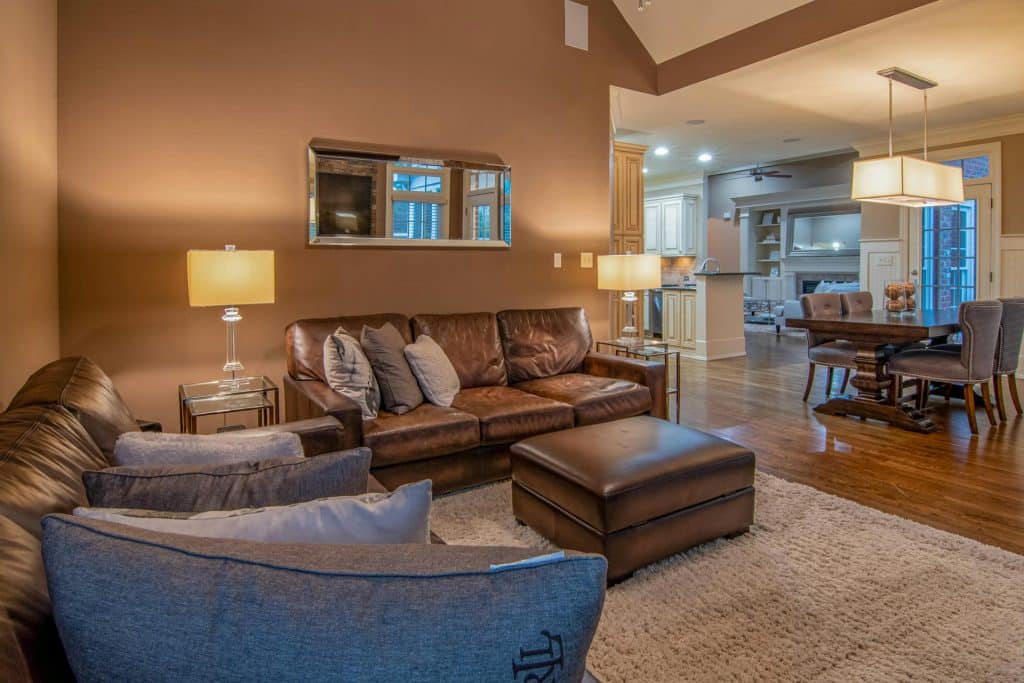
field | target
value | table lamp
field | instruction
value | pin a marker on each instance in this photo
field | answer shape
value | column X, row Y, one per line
column 627, row 273
column 230, row 278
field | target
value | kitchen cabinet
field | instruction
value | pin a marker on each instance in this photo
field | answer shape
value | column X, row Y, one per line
column 670, row 226
column 766, row 288
column 679, row 319
column 628, row 194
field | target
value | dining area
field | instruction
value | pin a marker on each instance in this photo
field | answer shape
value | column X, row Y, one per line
column 883, row 353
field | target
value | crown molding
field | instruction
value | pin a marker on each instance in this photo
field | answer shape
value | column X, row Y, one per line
column 947, row 135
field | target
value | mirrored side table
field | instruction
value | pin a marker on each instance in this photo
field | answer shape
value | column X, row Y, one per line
column 651, row 349
column 223, row 397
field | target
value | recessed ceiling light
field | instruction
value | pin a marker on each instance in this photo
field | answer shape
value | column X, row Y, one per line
column 645, row 169
column 792, row 139
column 705, row 157
column 696, row 122
column 661, row 150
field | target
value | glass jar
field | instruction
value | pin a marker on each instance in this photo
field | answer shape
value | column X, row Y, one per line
column 895, row 296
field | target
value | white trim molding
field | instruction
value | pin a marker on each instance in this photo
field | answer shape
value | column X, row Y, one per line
column 948, row 135
column 880, row 260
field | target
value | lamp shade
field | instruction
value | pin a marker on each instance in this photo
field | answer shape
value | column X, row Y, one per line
column 906, row 181
column 230, row 278
column 628, row 272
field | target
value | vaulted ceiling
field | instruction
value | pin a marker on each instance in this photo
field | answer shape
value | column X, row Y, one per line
column 827, row 94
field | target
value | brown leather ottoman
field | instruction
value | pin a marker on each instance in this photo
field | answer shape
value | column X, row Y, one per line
column 635, row 490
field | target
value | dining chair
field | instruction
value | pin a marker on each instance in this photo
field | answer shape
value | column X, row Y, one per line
column 1011, row 334
column 857, row 302
column 973, row 364
column 823, row 350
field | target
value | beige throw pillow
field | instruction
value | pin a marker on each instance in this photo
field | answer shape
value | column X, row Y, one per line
column 402, row 516
column 348, row 372
column 434, row 372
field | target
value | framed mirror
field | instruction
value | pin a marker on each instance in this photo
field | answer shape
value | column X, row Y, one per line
column 370, row 195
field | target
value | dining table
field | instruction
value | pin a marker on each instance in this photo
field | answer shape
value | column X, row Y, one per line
column 877, row 335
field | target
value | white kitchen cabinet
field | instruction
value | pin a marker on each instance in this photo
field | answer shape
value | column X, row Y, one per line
column 679, row 319
column 688, row 339
column 652, row 228
column 766, row 288
column 671, row 318
column 670, row 226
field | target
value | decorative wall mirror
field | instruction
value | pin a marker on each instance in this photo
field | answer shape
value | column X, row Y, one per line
column 371, row 195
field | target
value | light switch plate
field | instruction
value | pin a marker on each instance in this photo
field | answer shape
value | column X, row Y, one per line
column 886, row 260
column 558, row 260
column 587, row 259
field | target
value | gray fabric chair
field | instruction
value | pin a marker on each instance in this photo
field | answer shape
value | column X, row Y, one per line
column 1011, row 333
column 972, row 364
column 822, row 350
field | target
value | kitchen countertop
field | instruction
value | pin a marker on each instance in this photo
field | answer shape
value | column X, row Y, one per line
column 729, row 273
column 685, row 288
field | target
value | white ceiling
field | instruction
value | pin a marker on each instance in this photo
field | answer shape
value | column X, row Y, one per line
column 828, row 95
column 671, row 27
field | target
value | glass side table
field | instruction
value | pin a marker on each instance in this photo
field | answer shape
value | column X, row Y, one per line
column 650, row 349
column 222, row 397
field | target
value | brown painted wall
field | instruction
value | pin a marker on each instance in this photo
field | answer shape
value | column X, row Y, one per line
column 883, row 222
column 28, row 189
column 183, row 125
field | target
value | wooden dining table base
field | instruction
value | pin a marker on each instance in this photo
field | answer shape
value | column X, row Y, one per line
column 872, row 400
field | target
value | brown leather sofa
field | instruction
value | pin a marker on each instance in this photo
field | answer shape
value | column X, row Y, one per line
column 64, row 420
column 523, row 372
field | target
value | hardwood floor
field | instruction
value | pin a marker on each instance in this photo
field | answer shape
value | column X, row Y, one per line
column 973, row 486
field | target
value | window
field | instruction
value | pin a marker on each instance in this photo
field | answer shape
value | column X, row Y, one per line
column 972, row 167
column 949, row 240
column 417, row 202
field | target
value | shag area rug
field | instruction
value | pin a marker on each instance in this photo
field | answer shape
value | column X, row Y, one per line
column 821, row 589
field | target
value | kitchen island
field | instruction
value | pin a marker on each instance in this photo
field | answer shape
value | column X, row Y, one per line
column 706, row 321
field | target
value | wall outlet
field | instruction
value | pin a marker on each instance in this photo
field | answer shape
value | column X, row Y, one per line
column 587, row 259
column 558, row 260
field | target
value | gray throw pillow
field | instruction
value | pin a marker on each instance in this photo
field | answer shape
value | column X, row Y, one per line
column 229, row 486
column 434, row 372
column 402, row 516
column 159, row 448
column 399, row 391
column 348, row 371
column 136, row 604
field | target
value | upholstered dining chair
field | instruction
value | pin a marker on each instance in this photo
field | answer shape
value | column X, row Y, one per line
column 827, row 351
column 974, row 363
column 857, row 302
column 1011, row 333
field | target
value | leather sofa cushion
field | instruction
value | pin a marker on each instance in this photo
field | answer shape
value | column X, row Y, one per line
column 28, row 637
column 837, row 353
column 508, row 414
column 619, row 474
column 544, row 342
column 304, row 339
column 471, row 342
column 82, row 387
column 43, row 452
column 594, row 399
column 424, row 432
column 149, row 606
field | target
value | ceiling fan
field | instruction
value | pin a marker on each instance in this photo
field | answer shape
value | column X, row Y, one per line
column 758, row 173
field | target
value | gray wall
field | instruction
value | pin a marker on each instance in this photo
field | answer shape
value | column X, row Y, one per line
column 831, row 170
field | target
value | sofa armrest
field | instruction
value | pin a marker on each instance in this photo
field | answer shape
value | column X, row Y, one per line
column 319, row 435
column 648, row 373
column 308, row 398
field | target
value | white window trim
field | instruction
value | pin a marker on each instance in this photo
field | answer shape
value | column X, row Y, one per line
column 440, row 198
column 994, row 152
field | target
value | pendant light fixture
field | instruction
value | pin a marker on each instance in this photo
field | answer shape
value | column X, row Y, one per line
column 905, row 180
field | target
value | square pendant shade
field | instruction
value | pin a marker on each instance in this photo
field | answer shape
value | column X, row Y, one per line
column 628, row 272
column 906, row 181
column 230, row 278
